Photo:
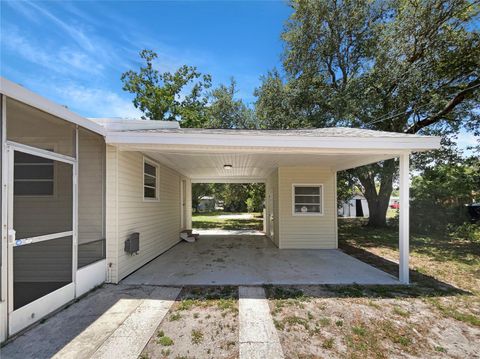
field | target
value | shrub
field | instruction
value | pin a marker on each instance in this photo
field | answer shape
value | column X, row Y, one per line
column 439, row 196
column 467, row 231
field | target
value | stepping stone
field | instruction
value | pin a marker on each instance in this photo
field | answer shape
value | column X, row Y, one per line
column 258, row 338
column 128, row 341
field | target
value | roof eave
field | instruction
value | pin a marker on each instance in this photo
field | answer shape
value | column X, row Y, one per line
column 19, row 93
column 401, row 143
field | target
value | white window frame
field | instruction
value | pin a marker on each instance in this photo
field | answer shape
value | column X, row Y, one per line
column 320, row 185
column 157, row 180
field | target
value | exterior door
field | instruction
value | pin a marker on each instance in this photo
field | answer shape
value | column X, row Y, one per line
column 41, row 236
column 183, row 203
column 271, row 217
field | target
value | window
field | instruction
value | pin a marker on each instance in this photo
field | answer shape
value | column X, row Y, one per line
column 33, row 175
column 307, row 199
column 150, row 180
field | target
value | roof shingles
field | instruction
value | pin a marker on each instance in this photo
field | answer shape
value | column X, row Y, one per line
column 313, row 132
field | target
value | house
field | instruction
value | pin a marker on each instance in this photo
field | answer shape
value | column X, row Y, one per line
column 207, row 203
column 357, row 206
column 91, row 201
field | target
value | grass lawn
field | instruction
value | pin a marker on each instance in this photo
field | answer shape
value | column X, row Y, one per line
column 213, row 220
column 437, row 316
column 436, row 261
column 203, row 323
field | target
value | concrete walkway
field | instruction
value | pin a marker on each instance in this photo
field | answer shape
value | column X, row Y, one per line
column 258, row 337
column 253, row 260
column 112, row 322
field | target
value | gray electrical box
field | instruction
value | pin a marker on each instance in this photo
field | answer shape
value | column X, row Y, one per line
column 132, row 244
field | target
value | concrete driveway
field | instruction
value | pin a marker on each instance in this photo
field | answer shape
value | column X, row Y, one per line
column 253, row 260
column 117, row 321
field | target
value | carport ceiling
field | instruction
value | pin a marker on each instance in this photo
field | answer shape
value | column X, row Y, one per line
column 250, row 167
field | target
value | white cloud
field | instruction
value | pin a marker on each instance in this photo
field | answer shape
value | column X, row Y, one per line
column 66, row 60
column 73, row 31
column 97, row 102
column 465, row 140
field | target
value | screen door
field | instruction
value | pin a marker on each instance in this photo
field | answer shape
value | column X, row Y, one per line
column 41, row 235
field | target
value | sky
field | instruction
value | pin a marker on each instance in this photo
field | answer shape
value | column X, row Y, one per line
column 74, row 52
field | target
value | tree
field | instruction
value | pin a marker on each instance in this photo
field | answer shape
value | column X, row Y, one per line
column 275, row 108
column 168, row 96
column 225, row 111
column 238, row 197
column 400, row 65
column 200, row 190
column 439, row 194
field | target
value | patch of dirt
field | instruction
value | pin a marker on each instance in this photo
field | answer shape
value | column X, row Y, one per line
column 202, row 323
column 356, row 322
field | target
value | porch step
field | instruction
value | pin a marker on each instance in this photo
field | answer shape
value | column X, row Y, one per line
column 128, row 341
column 258, row 336
column 123, row 330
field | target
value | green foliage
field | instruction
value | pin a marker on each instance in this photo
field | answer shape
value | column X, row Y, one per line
column 197, row 336
column 400, row 66
column 346, row 187
column 467, row 231
column 200, row 190
column 440, row 193
column 225, row 111
column 212, row 220
column 183, row 96
column 275, row 108
column 236, row 197
column 163, row 340
column 161, row 96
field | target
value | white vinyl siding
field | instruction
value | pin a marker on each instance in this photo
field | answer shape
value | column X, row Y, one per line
column 158, row 222
column 306, row 231
column 111, row 213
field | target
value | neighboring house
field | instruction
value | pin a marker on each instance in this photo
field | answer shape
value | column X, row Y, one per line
column 207, row 203
column 357, row 206
column 87, row 201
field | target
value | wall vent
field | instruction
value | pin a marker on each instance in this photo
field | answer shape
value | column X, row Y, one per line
column 132, row 244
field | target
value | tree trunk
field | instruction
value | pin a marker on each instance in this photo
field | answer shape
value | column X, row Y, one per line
column 378, row 201
column 378, row 207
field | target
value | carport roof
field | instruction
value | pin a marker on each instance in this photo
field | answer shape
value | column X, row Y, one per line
column 310, row 132
column 333, row 139
column 201, row 154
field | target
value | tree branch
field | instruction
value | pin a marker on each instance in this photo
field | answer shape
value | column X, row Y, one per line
column 459, row 98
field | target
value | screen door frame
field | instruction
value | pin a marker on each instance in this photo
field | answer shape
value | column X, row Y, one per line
column 30, row 313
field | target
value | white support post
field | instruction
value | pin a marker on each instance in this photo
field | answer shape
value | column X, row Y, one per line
column 3, row 220
column 404, row 225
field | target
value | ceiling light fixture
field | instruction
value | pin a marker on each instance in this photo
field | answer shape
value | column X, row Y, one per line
column 227, row 167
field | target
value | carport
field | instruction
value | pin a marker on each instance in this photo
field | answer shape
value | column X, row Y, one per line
column 253, row 260
column 299, row 168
